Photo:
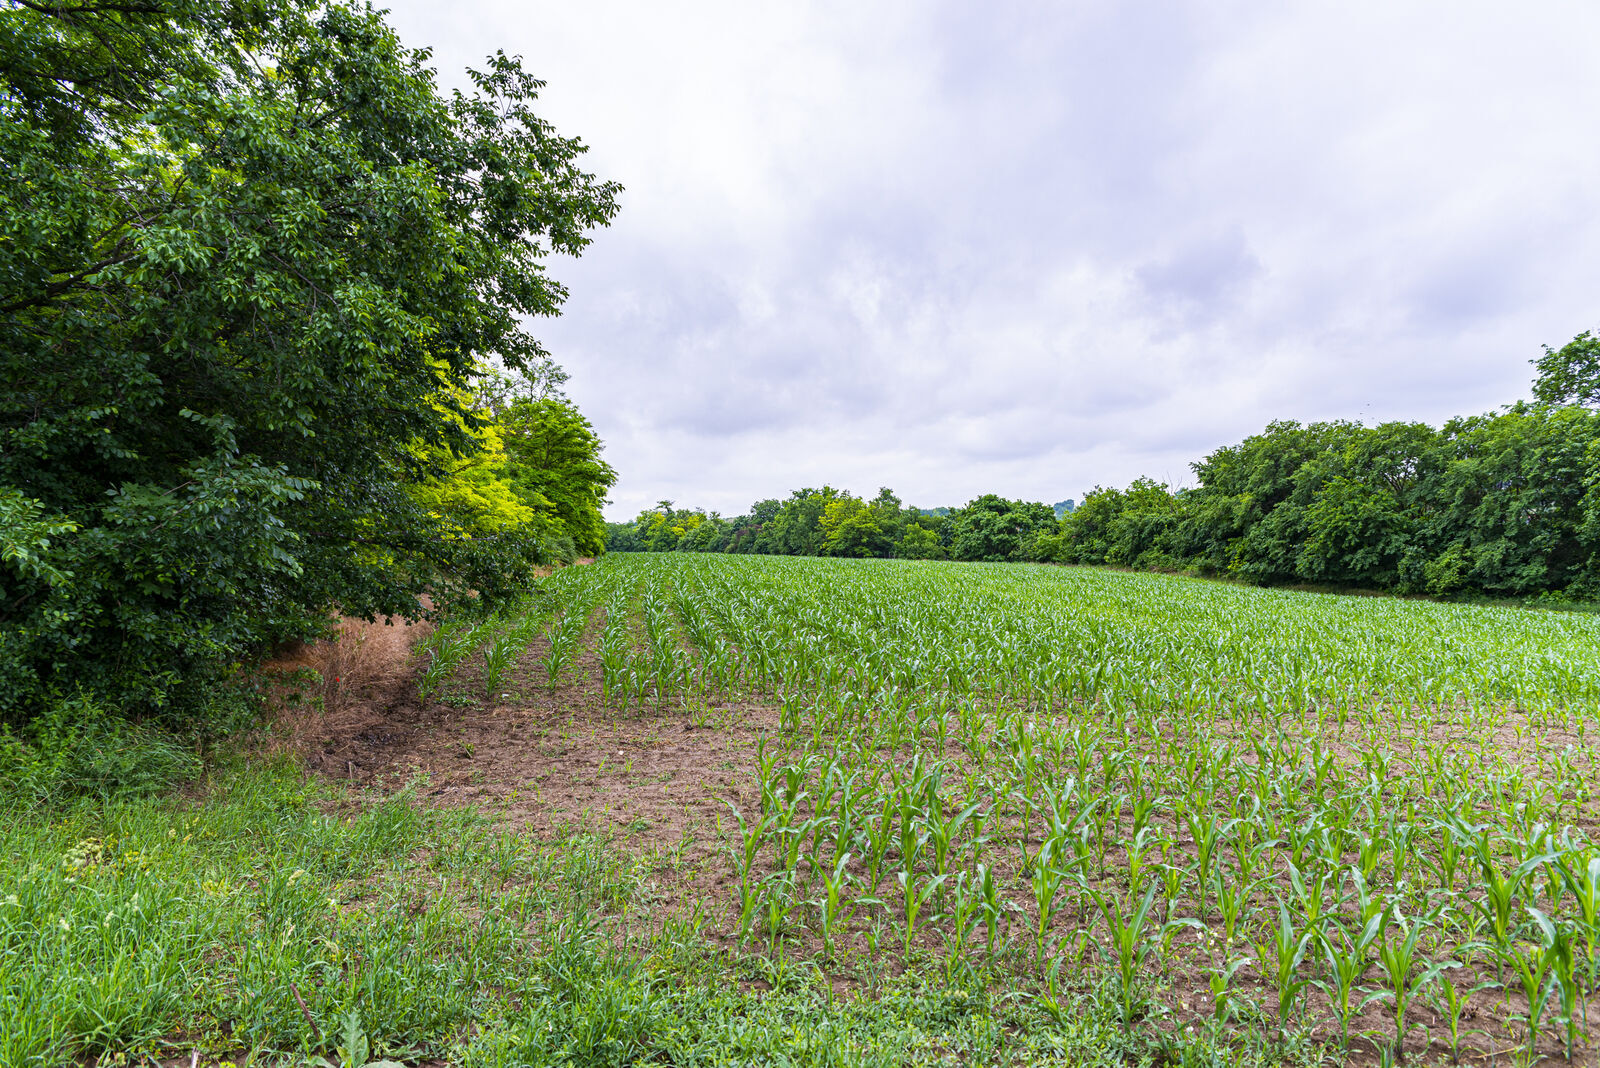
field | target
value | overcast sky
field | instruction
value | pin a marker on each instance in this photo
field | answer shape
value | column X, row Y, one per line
column 1025, row 248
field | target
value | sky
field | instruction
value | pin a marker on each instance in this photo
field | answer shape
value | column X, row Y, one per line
column 1031, row 248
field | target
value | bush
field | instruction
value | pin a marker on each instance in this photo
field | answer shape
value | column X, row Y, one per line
column 560, row 550
column 77, row 747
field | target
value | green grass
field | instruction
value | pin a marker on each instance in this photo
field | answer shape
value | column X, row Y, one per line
column 141, row 931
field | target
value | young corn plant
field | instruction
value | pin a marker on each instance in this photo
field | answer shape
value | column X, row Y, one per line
column 991, row 905
column 966, row 903
column 915, row 895
column 834, row 906
column 1208, row 832
column 564, row 639
column 1348, row 959
column 1548, row 968
column 614, row 651
column 880, row 836
column 1311, row 892
column 1560, row 941
column 1579, row 870
column 1232, row 900
column 1131, row 939
column 445, row 651
column 1220, row 980
column 779, row 901
column 497, row 659
column 1499, row 891
column 751, row 836
column 1406, row 972
column 1450, row 1004
column 944, row 832
column 1280, row 956
column 1047, row 881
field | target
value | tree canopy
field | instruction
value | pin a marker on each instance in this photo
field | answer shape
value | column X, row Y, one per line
column 1570, row 374
column 1505, row 504
column 254, row 265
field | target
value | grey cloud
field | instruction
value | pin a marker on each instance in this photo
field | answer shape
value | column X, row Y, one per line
column 1034, row 247
column 1203, row 280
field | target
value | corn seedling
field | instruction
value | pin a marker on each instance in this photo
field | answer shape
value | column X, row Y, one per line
column 1348, row 959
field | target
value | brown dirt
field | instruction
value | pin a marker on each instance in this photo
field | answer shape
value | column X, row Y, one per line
column 545, row 759
column 341, row 699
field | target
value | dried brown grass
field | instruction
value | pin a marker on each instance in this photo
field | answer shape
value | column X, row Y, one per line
column 321, row 682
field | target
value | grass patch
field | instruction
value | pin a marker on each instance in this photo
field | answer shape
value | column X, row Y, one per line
column 274, row 918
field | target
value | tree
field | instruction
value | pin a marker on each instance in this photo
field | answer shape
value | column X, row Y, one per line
column 1571, row 374
column 1356, row 532
column 919, row 543
column 473, row 493
column 993, row 528
column 553, row 461
column 1247, row 517
column 1510, row 515
column 797, row 528
column 861, row 534
column 1113, row 526
column 254, row 263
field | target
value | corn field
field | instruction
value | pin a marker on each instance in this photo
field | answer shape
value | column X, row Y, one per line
column 1365, row 822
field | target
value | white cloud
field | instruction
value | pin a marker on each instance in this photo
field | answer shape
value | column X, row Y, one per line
column 1025, row 250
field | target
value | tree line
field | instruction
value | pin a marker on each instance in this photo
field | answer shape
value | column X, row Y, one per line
column 264, row 354
column 1501, row 504
column 835, row 522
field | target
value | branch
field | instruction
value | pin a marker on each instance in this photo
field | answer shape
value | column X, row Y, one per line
column 65, row 285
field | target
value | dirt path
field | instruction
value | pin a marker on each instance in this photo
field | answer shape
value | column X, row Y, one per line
column 549, row 758
column 548, row 761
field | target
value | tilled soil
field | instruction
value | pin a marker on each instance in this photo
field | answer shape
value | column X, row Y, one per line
column 548, row 760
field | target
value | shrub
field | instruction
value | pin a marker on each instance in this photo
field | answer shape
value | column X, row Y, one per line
column 77, row 747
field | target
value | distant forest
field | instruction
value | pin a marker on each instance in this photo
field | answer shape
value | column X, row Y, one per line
column 1501, row 504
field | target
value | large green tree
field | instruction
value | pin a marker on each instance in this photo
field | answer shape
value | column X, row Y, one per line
column 553, row 461
column 994, row 528
column 1570, row 374
column 252, row 262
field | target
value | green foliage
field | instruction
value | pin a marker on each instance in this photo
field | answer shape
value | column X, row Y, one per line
column 1503, row 504
column 1570, row 374
column 797, row 529
column 1355, row 533
column 472, row 492
column 553, row 461
column 25, row 534
column 852, row 527
column 993, row 528
column 252, row 264
column 917, row 542
column 1347, row 795
column 76, row 747
column 1127, row 528
column 834, row 522
column 254, row 926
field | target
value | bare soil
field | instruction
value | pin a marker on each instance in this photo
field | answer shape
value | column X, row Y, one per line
column 547, row 760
